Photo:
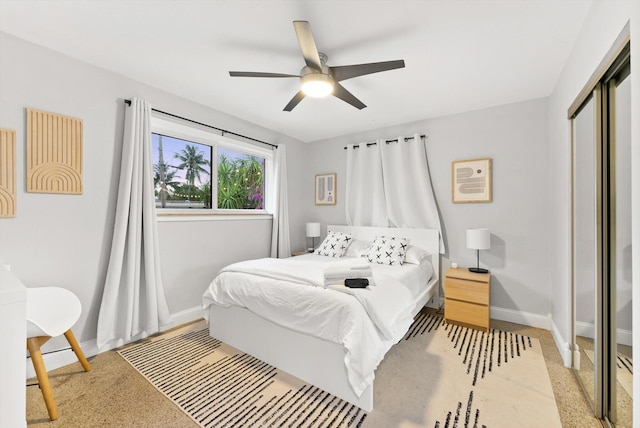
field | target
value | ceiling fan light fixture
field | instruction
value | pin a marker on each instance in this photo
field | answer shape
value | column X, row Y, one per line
column 317, row 79
column 316, row 85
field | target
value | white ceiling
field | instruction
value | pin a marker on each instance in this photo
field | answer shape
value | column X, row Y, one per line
column 460, row 55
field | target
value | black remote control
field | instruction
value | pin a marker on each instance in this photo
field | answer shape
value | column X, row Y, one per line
column 356, row 282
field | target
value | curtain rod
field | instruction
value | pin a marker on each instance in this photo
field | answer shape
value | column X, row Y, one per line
column 224, row 131
column 388, row 141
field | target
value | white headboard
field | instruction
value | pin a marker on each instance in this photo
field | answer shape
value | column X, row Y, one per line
column 428, row 239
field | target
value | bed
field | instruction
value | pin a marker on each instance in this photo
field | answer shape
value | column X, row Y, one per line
column 314, row 356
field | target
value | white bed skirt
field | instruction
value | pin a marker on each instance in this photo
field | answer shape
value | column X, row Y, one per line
column 313, row 360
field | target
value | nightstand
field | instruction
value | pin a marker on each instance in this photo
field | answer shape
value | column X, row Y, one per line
column 467, row 297
column 299, row 253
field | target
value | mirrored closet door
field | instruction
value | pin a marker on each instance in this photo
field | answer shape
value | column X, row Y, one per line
column 601, row 211
column 585, row 249
column 621, row 355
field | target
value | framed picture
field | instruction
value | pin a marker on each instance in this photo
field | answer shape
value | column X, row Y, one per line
column 471, row 180
column 326, row 189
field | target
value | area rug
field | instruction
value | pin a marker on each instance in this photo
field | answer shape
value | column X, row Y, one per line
column 455, row 376
column 220, row 386
column 463, row 377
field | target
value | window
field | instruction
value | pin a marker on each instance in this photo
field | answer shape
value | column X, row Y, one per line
column 240, row 180
column 186, row 158
column 181, row 173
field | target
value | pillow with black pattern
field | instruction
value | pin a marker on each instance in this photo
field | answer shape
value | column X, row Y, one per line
column 335, row 244
column 387, row 250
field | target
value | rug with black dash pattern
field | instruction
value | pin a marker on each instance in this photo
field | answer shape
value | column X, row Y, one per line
column 439, row 375
column 453, row 376
column 219, row 386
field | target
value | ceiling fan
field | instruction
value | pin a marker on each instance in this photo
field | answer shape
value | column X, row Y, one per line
column 317, row 79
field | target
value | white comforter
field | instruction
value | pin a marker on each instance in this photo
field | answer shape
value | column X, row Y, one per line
column 291, row 293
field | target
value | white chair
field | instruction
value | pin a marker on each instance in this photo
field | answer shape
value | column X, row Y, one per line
column 51, row 311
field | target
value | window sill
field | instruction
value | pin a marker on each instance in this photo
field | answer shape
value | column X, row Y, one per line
column 169, row 217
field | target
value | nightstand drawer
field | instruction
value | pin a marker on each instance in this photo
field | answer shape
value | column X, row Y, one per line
column 477, row 292
column 468, row 313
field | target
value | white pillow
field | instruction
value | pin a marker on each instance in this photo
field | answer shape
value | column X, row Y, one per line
column 415, row 255
column 335, row 244
column 356, row 248
column 387, row 250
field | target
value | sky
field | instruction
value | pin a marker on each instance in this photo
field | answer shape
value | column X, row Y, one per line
column 172, row 146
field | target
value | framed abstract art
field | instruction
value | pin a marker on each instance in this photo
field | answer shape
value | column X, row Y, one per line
column 326, row 189
column 471, row 180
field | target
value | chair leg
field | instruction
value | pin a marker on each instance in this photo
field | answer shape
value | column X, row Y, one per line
column 76, row 348
column 33, row 345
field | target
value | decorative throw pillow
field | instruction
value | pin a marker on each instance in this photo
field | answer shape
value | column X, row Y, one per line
column 415, row 255
column 387, row 250
column 335, row 244
column 356, row 248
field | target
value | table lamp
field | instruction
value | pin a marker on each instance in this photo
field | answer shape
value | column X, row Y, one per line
column 313, row 232
column 478, row 239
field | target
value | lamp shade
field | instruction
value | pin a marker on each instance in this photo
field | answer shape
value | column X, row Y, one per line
column 478, row 239
column 313, row 230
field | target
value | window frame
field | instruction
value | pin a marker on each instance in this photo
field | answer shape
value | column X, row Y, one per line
column 201, row 135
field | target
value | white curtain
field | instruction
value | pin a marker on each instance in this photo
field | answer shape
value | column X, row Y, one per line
column 280, row 242
column 133, row 302
column 388, row 184
column 365, row 194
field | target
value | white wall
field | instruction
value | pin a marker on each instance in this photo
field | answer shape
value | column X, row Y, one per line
column 605, row 22
column 515, row 137
column 65, row 240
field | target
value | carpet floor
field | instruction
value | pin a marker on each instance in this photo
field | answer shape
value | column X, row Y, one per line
column 115, row 394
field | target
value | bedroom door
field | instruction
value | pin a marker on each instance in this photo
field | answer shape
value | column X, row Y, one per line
column 601, row 130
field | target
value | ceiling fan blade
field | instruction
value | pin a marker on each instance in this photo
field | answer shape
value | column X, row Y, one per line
column 294, row 101
column 307, row 44
column 348, row 71
column 346, row 96
column 258, row 74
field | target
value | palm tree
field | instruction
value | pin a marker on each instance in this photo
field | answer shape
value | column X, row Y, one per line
column 164, row 181
column 192, row 163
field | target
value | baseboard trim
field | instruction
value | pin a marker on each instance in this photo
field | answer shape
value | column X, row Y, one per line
column 184, row 317
column 564, row 347
column 519, row 317
column 56, row 359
